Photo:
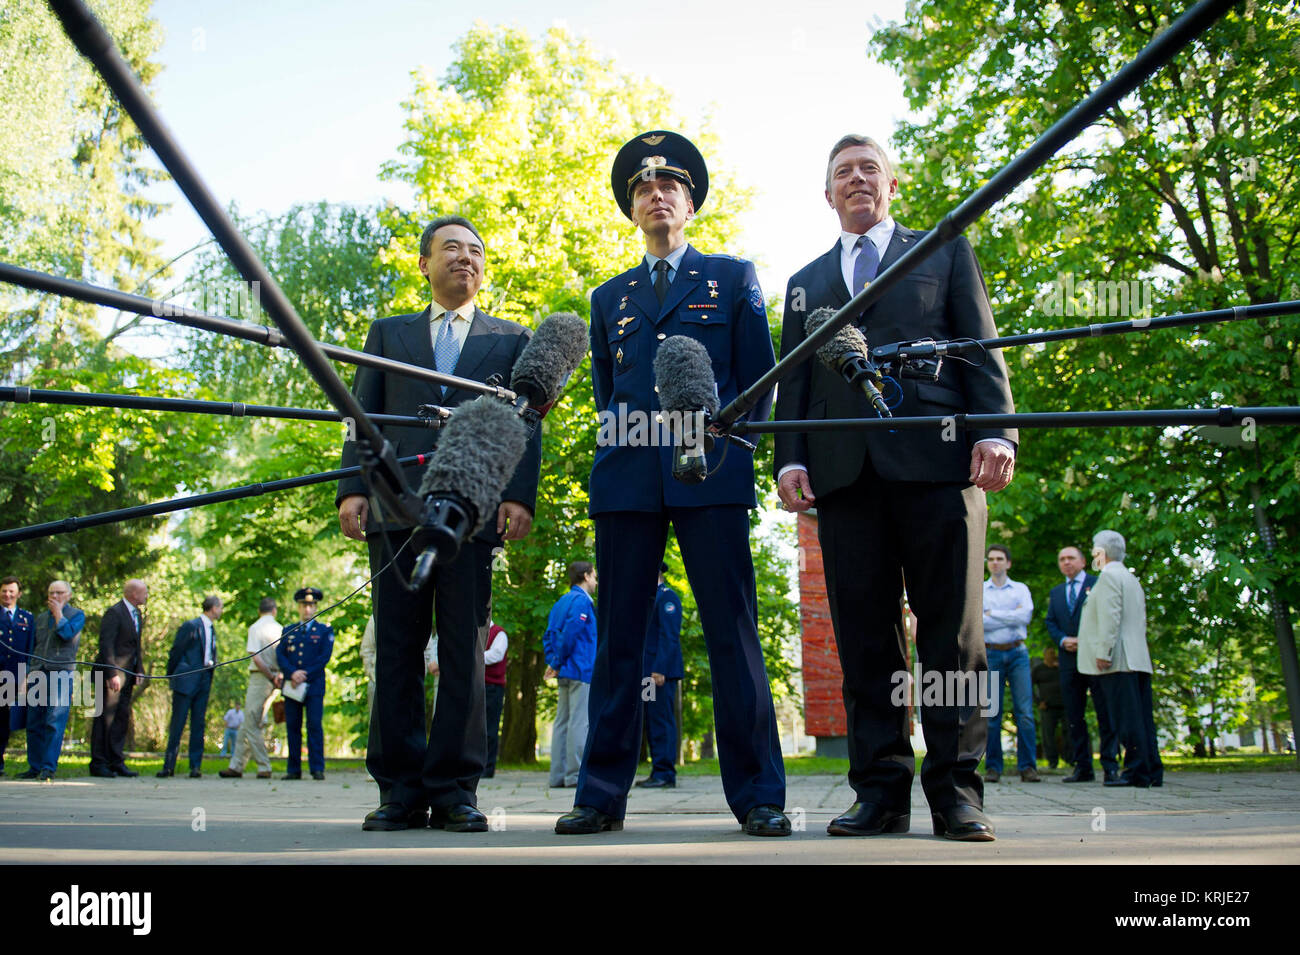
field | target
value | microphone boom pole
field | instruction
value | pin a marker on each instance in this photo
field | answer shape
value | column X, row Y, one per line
column 379, row 460
column 234, row 409
column 1225, row 416
column 1155, row 55
column 248, row 331
column 69, row 524
column 905, row 351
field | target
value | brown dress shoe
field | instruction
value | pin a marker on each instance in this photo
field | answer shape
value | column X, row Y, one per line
column 1030, row 775
column 229, row 773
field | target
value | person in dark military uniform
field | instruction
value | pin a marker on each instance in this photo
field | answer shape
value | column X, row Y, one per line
column 16, row 631
column 302, row 652
column 659, row 181
column 663, row 667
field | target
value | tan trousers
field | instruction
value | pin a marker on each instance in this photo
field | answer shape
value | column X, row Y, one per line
column 251, row 741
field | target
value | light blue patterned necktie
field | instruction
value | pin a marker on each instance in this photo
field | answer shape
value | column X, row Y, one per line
column 446, row 351
column 1072, row 596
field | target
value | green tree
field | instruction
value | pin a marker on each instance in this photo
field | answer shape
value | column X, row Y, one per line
column 518, row 137
column 1182, row 197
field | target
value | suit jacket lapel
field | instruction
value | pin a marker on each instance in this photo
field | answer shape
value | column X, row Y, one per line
column 641, row 295
column 902, row 241
column 833, row 276
column 685, row 282
column 415, row 339
column 478, row 345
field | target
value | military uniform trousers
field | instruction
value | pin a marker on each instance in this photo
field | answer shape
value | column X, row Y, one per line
column 714, row 542
column 314, row 706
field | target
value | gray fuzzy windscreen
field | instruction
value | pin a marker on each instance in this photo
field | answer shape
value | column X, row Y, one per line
column 549, row 358
column 684, row 376
column 477, row 453
column 847, row 342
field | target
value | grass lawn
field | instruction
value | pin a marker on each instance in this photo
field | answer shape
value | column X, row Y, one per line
column 72, row 765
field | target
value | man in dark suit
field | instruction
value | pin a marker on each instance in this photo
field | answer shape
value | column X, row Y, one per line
column 1064, row 607
column 895, row 507
column 189, row 667
column 659, row 180
column 441, row 773
column 663, row 666
column 119, row 659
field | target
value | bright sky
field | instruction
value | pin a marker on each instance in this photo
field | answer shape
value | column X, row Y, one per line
column 300, row 100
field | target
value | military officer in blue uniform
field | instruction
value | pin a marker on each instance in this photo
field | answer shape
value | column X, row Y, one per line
column 15, row 648
column 663, row 667
column 302, row 652
column 659, row 180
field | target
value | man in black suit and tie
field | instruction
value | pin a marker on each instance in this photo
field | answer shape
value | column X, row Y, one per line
column 897, row 508
column 189, row 666
column 434, row 781
column 1064, row 606
column 119, row 659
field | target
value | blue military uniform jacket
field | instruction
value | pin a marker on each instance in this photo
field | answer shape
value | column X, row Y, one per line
column 714, row 299
column 17, row 637
column 570, row 640
column 306, row 646
column 663, row 646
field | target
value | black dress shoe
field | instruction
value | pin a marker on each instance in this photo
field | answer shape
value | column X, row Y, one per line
column 30, row 774
column 124, row 771
column 317, row 776
column 164, row 773
column 1112, row 778
column 229, row 773
column 196, row 774
column 102, row 772
column 463, row 818
column 292, row 776
column 1079, row 776
column 46, row 774
column 766, row 821
column 393, row 816
column 962, row 823
column 585, row 821
column 655, row 782
column 867, row 819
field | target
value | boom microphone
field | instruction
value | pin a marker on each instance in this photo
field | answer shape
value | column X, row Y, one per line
column 684, row 380
column 547, row 361
column 846, row 354
column 478, row 452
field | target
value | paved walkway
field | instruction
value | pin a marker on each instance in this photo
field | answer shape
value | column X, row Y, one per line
column 1200, row 818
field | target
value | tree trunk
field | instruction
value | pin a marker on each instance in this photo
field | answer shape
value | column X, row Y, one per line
column 519, row 733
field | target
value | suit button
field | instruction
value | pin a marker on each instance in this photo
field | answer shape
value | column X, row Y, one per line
column 662, row 336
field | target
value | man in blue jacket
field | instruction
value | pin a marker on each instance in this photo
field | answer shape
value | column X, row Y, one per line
column 570, row 648
column 190, row 665
column 16, row 629
column 302, row 653
column 663, row 668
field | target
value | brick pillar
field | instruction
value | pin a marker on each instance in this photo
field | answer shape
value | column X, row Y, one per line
column 822, row 678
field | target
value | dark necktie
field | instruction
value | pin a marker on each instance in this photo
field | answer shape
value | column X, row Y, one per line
column 1071, row 595
column 135, row 615
column 661, row 280
column 865, row 265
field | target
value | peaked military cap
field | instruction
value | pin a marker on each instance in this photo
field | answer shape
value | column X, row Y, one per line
column 658, row 153
column 305, row 594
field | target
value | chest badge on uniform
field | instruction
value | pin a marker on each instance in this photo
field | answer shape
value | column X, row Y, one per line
column 624, row 321
column 632, row 284
column 713, row 287
column 619, row 355
column 693, row 272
